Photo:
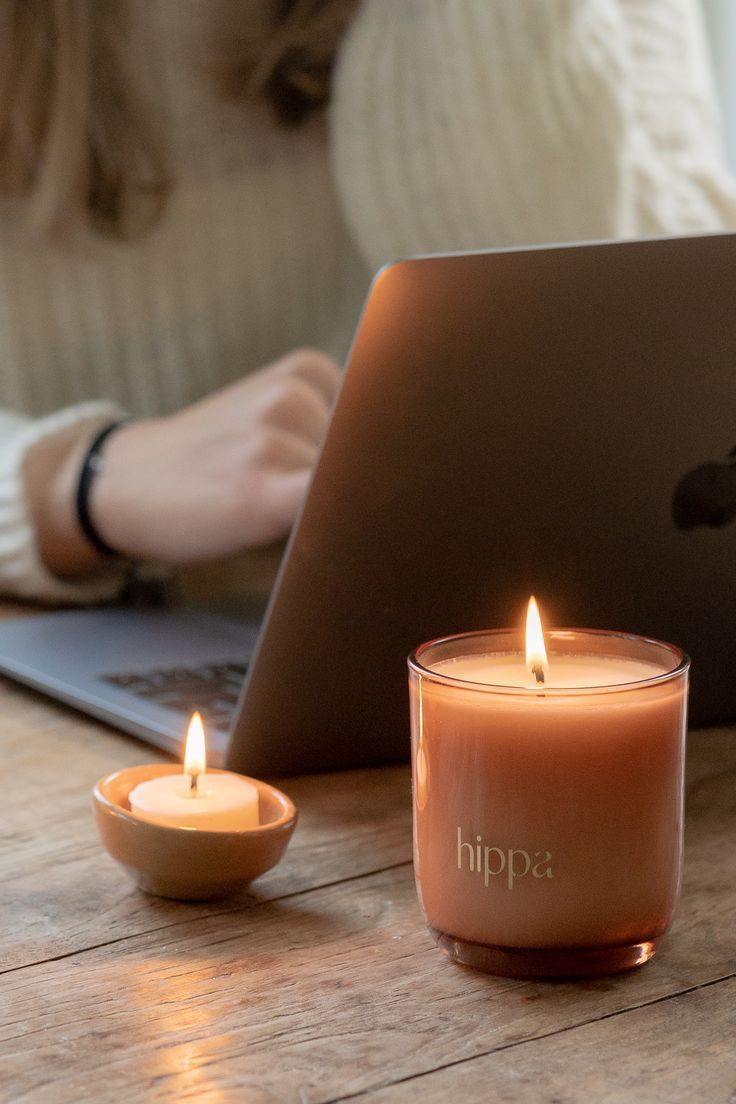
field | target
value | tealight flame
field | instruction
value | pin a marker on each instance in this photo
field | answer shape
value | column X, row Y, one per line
column 195, row 756
column 536, row 653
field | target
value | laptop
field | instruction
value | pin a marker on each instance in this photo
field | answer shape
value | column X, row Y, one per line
column 556, row 420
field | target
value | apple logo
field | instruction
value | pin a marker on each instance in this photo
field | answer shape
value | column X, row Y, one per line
column 706, row 495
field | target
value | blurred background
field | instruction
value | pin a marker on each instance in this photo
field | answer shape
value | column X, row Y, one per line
column 721, row 20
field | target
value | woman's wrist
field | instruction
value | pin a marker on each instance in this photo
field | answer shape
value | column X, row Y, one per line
column 93, row 464
column 50, row 474
column 120, row 497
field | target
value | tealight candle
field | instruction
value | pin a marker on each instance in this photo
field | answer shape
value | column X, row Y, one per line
column 223, row 802
column 548, row 797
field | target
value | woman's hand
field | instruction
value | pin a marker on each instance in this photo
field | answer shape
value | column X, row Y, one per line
column 227, row 473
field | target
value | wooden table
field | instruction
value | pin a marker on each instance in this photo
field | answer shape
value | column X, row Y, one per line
column 321, row 984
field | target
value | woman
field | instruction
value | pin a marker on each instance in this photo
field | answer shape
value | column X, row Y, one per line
column 180, row 209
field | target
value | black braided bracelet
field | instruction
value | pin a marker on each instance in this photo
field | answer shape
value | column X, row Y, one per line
column 92, row 465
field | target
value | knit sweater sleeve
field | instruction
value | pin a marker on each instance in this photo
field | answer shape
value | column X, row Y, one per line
column 477, row 124
column 678, row 175
column 22, row 572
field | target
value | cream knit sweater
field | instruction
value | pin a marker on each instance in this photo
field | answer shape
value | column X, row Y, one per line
column 454, row 124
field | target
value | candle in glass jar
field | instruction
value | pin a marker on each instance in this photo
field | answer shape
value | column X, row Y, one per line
column 548, row 798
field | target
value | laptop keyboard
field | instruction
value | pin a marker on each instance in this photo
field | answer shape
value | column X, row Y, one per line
column 213, row 689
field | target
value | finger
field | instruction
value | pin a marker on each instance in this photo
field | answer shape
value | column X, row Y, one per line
column 299, row 409
column 316, row 369
column 287, row 496
column 283, row 451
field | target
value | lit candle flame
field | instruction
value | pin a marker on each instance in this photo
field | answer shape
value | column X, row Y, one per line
column 536, row 653
column 195, row 756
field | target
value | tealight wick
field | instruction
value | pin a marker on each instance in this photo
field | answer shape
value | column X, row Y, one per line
column 193, row 782
column 538, row 672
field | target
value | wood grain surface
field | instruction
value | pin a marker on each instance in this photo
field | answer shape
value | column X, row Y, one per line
column 320, row 983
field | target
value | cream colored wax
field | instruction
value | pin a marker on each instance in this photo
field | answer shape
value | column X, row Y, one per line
column 548, row 816
column 221, row 802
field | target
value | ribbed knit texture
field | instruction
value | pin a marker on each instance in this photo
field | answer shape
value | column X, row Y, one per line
column 455, row 124
column 481, row 123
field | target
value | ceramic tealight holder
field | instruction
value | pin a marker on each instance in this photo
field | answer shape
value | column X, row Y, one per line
column 189, row 864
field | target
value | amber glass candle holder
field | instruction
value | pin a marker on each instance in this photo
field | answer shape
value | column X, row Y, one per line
column 548, row 820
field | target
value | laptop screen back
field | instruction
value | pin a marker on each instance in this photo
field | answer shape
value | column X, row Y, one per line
column 509, row 422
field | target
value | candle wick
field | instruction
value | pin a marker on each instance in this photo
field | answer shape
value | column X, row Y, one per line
column 193, row 783
column 538, row 672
